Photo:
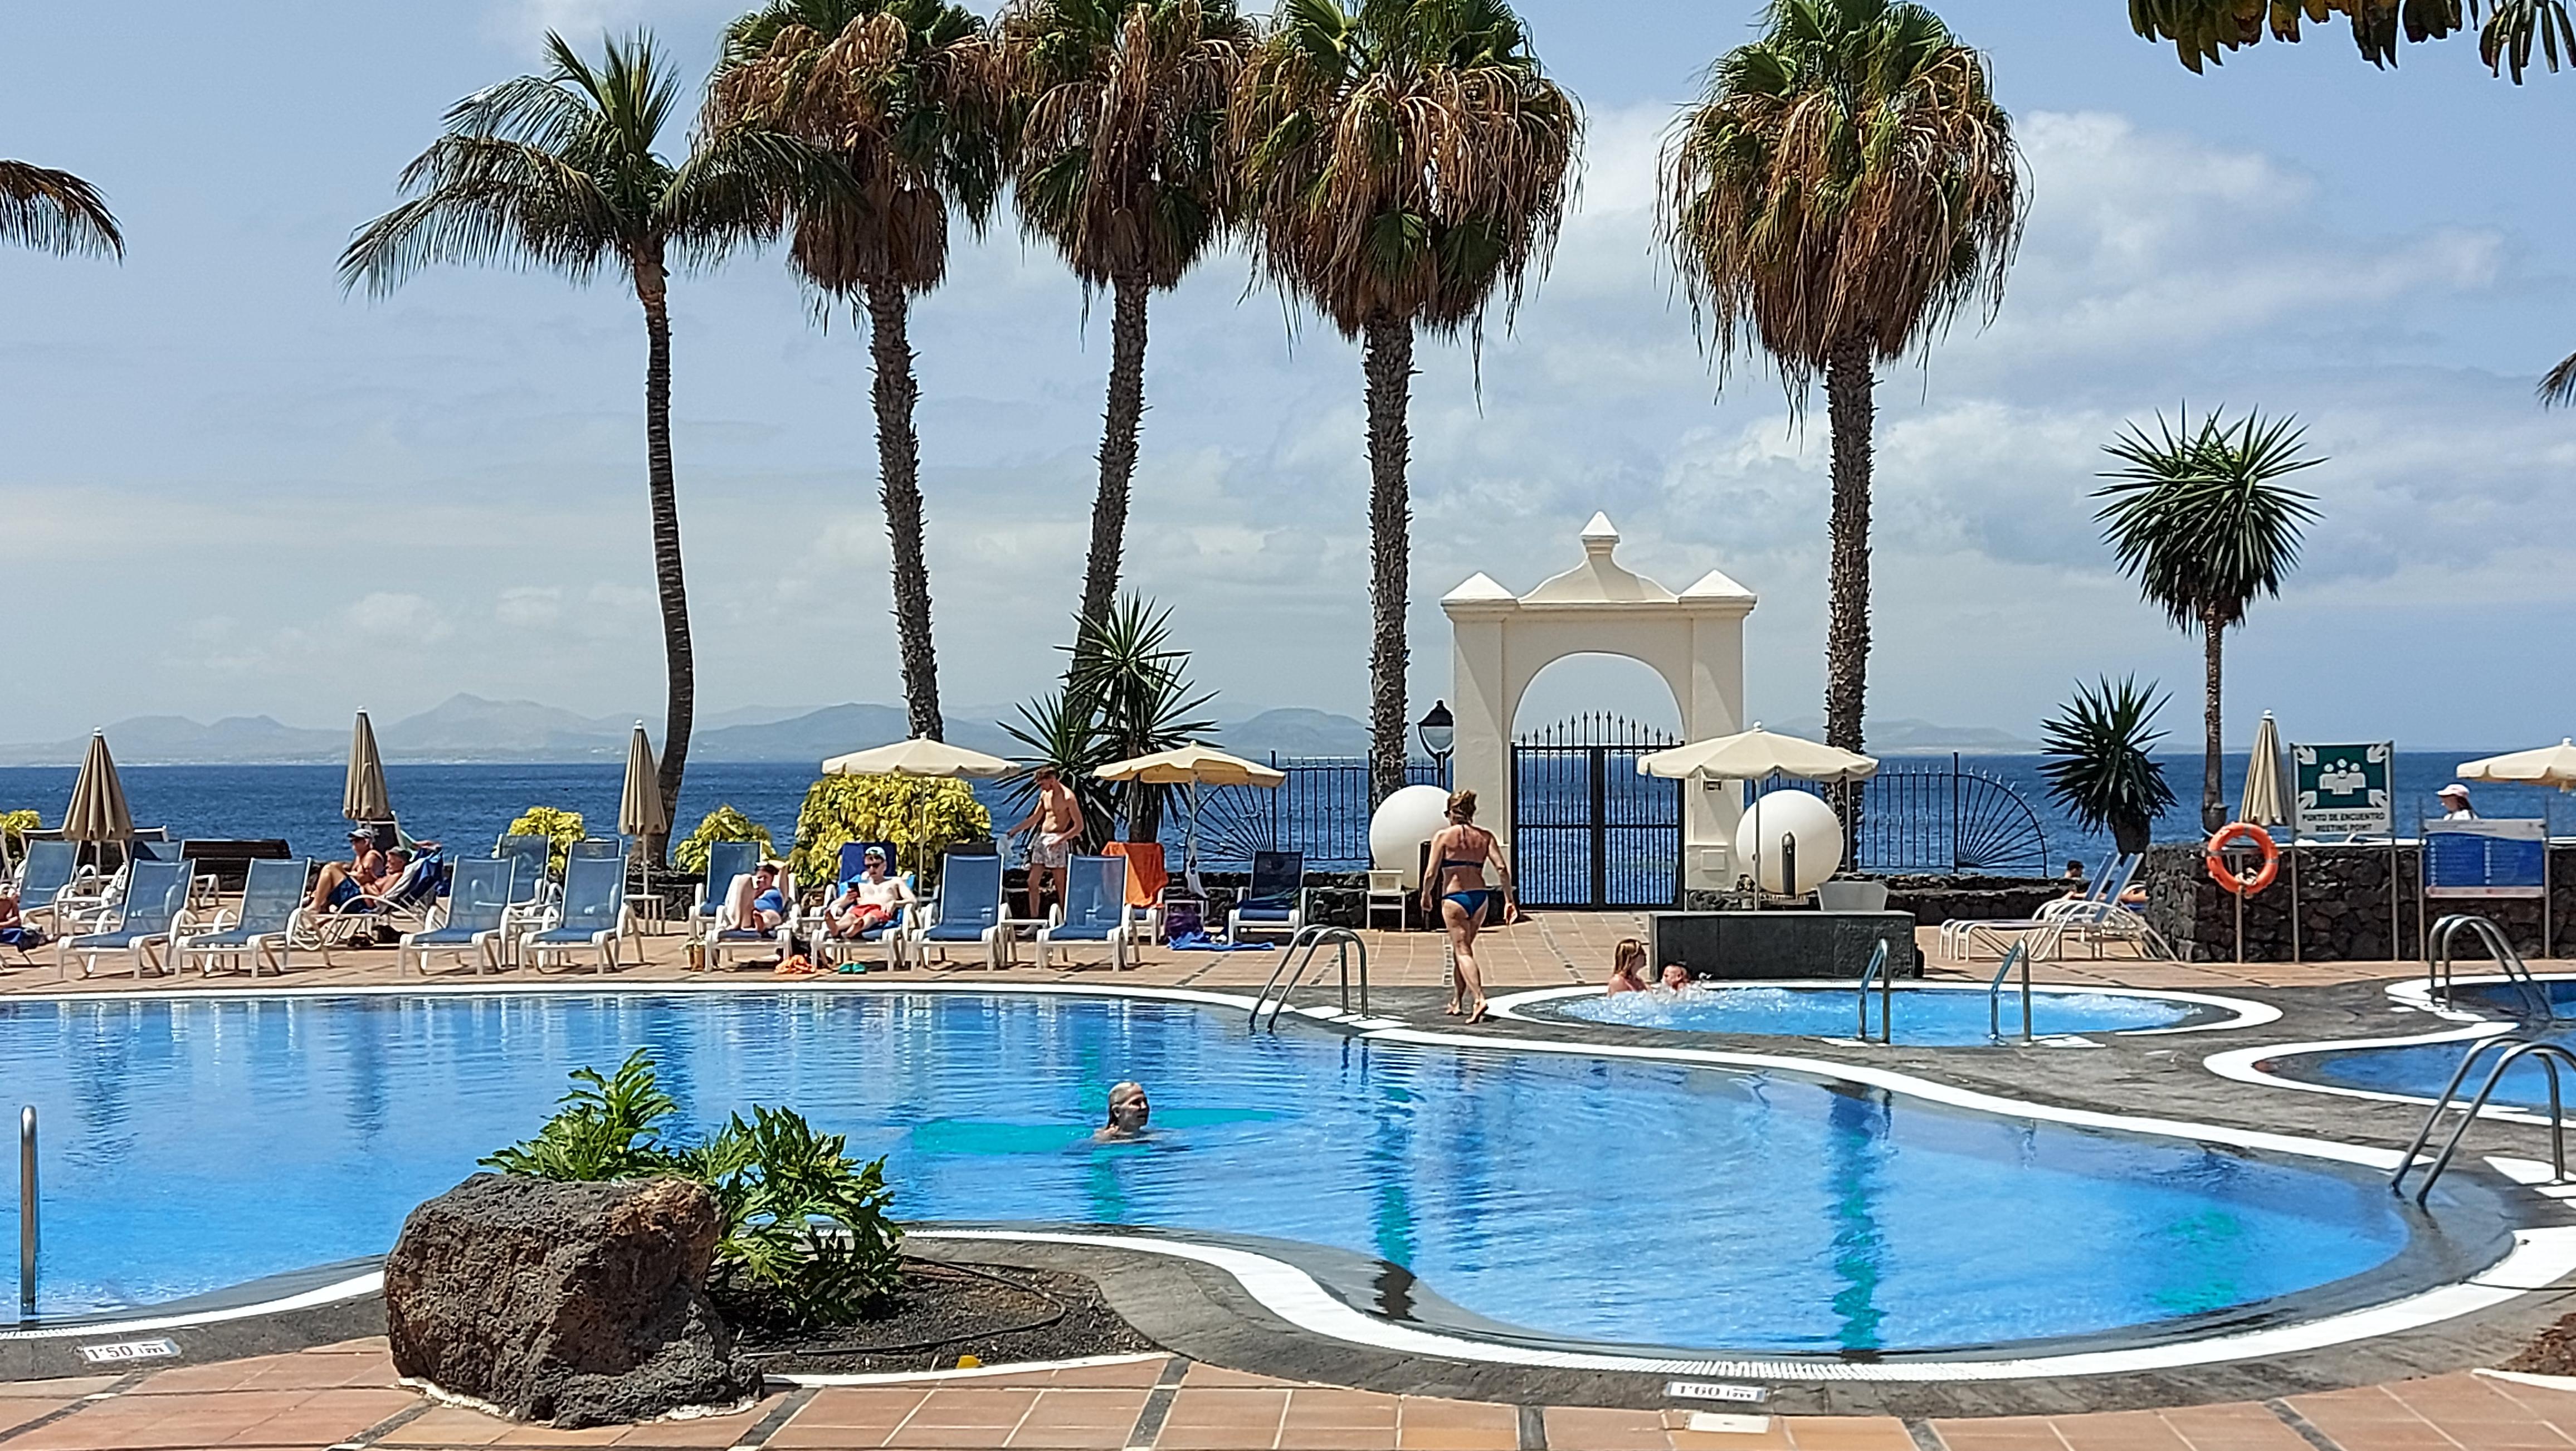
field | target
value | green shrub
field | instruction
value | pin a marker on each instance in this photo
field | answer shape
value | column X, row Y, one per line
column 563, row 828
column 774, row 1179
column 921, row 817
column 722, row 824
column 14, row 826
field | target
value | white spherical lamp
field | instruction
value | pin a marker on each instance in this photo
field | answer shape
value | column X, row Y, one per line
column 1800, row 816
column 1400, row 826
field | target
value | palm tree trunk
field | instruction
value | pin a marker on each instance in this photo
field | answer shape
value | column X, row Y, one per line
column 1123, row 421
column 1389, row 366
column 679, row 662
column 1850, row 378
column 2213, row 808
column 899, row 475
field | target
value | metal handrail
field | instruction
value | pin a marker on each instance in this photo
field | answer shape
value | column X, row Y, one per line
column 2446, row 929
column 1300, row 954
column 2018, row 953
column 2515, row 1049
column 1885, row 977
column 27, row 1213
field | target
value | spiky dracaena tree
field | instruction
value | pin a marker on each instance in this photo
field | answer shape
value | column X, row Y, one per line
column 559, row 170
column 1121, row 167
column 2099, row 760
column 1845, row 188
column 899, row 93
column 2201, row 519
column 1404, row 162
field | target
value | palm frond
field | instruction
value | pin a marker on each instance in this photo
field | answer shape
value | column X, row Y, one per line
column 55, row 211
column 1403, row 160
column 2560, row 385
column 1849, row 174
column 2204, row 32
column 485, row 200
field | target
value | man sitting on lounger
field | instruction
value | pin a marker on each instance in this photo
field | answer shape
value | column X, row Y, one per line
column 366, row 873
column 1056, row 824
column 870, row 901
column 754, row 902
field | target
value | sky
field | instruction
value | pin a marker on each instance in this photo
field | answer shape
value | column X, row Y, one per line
column 230, row 488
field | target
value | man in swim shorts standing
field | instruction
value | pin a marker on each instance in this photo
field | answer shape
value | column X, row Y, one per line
column 1056, row 821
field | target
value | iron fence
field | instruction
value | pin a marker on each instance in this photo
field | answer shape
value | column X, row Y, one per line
column 1322, row 810
column 1919, row 816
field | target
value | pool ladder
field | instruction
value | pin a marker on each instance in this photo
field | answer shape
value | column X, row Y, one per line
column 1300, row 955
column 27, row 1213
column 2437, row 975
column 1879, row 972
column 2509, row 1051
column 2018, row 954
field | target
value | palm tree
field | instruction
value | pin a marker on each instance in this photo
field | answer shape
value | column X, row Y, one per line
column 1844, row 188
column 559, row 170
column 2201, row 519
column 898, row 91
column 55, row 211
column 2203, row 31
column 1403, row 161
column 1121, row 165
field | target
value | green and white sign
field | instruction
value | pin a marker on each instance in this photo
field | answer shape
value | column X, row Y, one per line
column 2344, row 790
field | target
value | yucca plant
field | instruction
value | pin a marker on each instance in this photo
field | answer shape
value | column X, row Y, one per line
column 2098, row 760
column 2201, row 520
column 1128, row 694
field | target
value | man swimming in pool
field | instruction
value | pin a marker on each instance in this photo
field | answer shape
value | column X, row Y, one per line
column 1128, row 1112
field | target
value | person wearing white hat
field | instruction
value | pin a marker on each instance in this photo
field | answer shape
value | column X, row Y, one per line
column 2455, row 803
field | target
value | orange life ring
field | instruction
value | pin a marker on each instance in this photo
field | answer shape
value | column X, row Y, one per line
column 2225, row 875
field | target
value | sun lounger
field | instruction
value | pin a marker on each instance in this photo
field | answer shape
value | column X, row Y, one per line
column 51, row 873
column 147, row 914
column 404, row 906
column 1095, row 911
column 1276, row 899
column 476, row 921
column 815, row 923
column 726, row 860
column 2044, row 933
column 967, row 909
column 270, row 897
column 593, row 918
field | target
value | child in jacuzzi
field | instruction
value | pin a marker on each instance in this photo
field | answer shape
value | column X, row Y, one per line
column 1677, row 978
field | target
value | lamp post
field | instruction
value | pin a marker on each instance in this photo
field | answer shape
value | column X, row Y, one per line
column 1439, row 732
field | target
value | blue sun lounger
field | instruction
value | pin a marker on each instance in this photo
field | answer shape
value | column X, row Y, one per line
column 1095, row 910
column 478, row 912
column 1276, row 899
column 269, row 899
column 155, row 898
column 594, row 915
column 48, row 879
column 967, row 909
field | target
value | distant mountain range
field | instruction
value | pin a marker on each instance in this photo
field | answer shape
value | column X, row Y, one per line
column 469, row 728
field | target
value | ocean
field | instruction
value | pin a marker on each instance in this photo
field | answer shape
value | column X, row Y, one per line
column 466, row 806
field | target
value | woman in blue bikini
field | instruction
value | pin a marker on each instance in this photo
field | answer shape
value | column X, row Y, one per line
column 1456, row 891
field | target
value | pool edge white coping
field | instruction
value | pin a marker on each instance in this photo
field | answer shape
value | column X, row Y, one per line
column 2241, row 1064
column 2246, row 1012
column 2540, row 1256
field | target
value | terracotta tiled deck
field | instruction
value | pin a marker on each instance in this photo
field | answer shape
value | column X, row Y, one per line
column 1548, row 949
column 345, row 1396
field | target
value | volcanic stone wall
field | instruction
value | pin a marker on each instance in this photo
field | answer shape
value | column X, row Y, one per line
column 2342, row 901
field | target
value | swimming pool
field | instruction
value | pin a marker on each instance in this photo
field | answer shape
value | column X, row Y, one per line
column 1926, row 1015
column 2422, row 1069
column 199, row 1141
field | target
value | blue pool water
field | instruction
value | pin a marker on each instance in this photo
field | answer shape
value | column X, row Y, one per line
column 197, row 1142
column 1924, row 1017
column 2423, row 1070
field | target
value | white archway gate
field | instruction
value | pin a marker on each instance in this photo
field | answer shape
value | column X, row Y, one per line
column 1694, row 640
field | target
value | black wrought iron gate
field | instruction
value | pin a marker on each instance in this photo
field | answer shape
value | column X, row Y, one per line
column 1588, row 830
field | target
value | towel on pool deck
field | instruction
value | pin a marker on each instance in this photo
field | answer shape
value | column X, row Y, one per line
column 1201, row 942
column 1146, row 875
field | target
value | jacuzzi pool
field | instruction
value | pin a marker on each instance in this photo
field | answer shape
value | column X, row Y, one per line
column 1926, row 1015
column 197, row 1142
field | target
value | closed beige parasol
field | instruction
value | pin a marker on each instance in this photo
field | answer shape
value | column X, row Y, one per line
column 640, row 808
column 97, row 811
column 2261, row 803
column 364, row 797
